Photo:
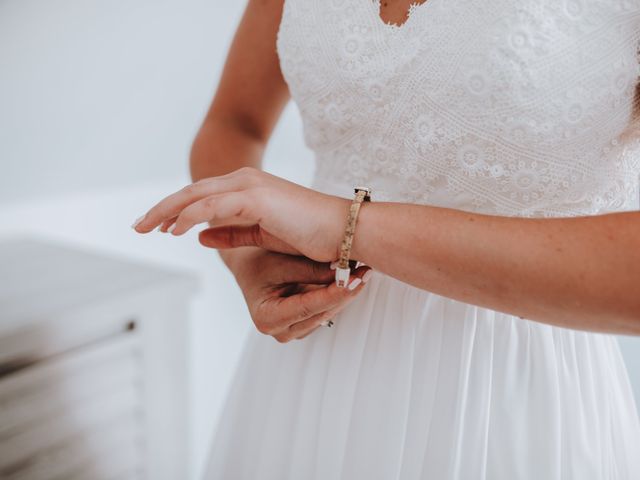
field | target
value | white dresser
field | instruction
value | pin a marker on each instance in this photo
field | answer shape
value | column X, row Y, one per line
column 93, row 366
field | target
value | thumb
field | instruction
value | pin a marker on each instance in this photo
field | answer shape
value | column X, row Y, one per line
column 231, row 236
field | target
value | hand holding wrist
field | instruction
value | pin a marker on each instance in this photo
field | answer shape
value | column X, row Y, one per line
column 234, row 258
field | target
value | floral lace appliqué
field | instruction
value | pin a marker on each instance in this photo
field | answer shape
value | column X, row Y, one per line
column 514, row 108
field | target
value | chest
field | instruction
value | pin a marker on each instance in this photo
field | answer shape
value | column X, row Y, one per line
column 569, row 60
column 396, row 11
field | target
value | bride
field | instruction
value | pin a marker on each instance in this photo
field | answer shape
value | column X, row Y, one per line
column 498, row 255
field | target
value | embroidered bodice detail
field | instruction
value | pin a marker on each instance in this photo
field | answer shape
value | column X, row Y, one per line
column 513, row 107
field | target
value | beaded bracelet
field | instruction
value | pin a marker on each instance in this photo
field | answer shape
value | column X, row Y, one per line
column 362, row 194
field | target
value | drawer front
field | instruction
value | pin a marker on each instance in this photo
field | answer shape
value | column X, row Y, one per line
column 76, row 414
column 43, row 340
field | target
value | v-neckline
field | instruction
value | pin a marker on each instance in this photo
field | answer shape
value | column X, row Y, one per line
column 394, row 27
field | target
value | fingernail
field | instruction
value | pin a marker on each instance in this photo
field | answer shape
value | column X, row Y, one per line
column 367, row 276
column 171, row 228
column 354, row 283
column 138, row 220
column 333, row 265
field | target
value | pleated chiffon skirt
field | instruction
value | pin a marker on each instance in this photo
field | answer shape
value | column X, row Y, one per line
column 412, row 385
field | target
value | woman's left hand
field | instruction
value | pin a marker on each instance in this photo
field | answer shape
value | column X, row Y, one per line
column 276, row 214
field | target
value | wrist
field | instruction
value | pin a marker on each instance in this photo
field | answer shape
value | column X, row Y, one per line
column 362, row 233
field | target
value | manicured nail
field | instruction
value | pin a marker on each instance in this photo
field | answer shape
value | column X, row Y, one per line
column 137, row 222
column 333, row 265
column 354, row 283
column 171, row 228
column 367, row 276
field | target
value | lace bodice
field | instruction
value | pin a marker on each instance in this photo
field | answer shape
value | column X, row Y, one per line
column 511, row 107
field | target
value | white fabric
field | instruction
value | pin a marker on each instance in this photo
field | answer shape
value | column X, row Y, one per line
column 512, row 107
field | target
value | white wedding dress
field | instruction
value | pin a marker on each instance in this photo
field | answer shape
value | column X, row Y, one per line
column 505, row 107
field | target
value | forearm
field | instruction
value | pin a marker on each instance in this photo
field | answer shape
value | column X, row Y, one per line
column 581, row 272
column 219, row 148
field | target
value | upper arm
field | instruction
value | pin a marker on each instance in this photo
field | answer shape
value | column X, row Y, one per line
column 252, row 92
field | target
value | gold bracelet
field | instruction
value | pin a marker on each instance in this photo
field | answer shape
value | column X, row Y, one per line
column 362, row 194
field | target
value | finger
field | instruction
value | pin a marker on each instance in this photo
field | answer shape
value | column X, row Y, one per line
column 173, row 204
column 323, row 319
column 231, row 236
column 302, row 306
column 224, row 208
column 166, row 225
column 352, row 264
column 274, row 320
column 310, row 331
column 302, row 329
column 299, row 269
column 307, row 287
column 306, row 327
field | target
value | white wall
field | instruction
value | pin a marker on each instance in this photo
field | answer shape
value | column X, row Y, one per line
column 97, row 93
column 101, row 219
column 99, row 102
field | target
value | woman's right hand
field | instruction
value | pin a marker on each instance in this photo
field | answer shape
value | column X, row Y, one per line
column 289, row 296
